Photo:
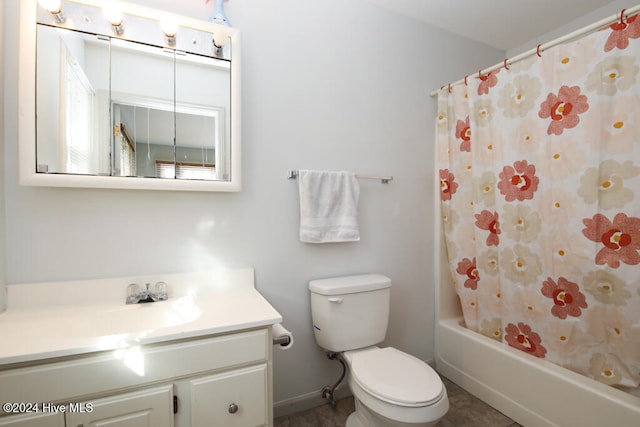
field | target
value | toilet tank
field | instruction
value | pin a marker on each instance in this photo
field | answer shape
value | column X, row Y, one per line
column 350, row 312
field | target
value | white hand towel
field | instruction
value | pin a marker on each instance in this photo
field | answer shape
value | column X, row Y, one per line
column 328, row 206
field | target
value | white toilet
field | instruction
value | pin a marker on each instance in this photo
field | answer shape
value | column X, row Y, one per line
column 391, row 388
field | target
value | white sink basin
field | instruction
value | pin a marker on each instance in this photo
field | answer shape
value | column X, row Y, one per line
column 134, row 318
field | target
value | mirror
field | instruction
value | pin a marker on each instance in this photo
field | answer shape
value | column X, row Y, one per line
column 73, row 99
column 117, row 111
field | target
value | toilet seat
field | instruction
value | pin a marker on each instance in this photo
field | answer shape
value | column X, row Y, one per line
column 396, row 377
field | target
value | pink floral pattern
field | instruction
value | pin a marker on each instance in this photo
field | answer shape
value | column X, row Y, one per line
column 448, row 184
column 489, row 221
column 541, row 212
column 563, row 109
column 468, row 268
column 463, row 132
column 566, row 296
column 620, row 239
column 524, row 338
column 622, row 32
column 518, row 182
column 487, row 81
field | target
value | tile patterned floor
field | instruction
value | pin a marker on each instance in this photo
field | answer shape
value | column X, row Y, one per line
column 465, row 411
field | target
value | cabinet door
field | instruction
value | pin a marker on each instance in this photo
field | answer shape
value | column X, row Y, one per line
column 231, row 399
column 150, row 407
column 33, row 420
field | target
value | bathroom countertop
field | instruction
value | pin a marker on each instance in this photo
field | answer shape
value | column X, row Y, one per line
column 37, row 326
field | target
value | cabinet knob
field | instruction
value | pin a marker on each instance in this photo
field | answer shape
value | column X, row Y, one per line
column 233, row 408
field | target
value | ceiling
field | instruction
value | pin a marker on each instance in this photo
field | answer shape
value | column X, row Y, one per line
column 503, row 24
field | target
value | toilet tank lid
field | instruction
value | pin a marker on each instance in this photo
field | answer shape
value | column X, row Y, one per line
column 349, row 284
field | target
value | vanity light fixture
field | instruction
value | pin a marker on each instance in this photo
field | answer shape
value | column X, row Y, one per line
column 55, row 9
column 113, row 14
column 170, row 29
column 219, row 40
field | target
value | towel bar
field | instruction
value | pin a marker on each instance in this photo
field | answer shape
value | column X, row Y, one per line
column 293, row 174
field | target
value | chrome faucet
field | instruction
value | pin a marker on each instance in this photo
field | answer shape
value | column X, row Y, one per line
column 151, row 293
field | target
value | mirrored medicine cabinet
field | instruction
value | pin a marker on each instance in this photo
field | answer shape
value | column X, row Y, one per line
column 145, row 100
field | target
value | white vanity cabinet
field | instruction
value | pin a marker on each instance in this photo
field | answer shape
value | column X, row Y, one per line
column 202, row 358
column 217, row 380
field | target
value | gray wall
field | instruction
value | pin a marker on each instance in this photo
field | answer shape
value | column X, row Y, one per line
column 615, row 7
column 326, row 85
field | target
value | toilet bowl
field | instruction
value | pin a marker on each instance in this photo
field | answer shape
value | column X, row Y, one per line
column 392, row 388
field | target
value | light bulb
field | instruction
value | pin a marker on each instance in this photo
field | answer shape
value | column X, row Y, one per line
column 112, row 13
column 52, row 6
column 220, row 39
column 55, row 9
column 169, row 26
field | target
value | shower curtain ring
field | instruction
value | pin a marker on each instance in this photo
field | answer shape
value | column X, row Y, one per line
column 449, row 87
column 465, row 80
column 506, row 67
column 622, row 16
column 538, row 51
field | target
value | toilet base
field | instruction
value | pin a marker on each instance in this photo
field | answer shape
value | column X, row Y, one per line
column 354, row 420
column 364, row 417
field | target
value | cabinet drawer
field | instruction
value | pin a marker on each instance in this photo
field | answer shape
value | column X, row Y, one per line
column 33, row 420
column 231, row 399
column 131, row 366
column 152, row 407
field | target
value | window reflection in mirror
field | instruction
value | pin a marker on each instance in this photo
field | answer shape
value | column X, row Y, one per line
column 145, row 141
column 72, row 137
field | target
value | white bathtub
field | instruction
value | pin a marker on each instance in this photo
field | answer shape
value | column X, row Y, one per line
column 529, row 390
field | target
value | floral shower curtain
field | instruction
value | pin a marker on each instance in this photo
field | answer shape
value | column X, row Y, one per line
column 540, row 187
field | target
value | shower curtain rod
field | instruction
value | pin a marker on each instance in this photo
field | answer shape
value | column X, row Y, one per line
column 542, row 47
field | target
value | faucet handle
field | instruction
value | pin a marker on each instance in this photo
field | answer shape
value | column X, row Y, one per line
column 159, row 289
column 133, row 293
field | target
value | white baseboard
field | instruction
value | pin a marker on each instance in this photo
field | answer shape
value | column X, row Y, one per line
column 307, row 401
